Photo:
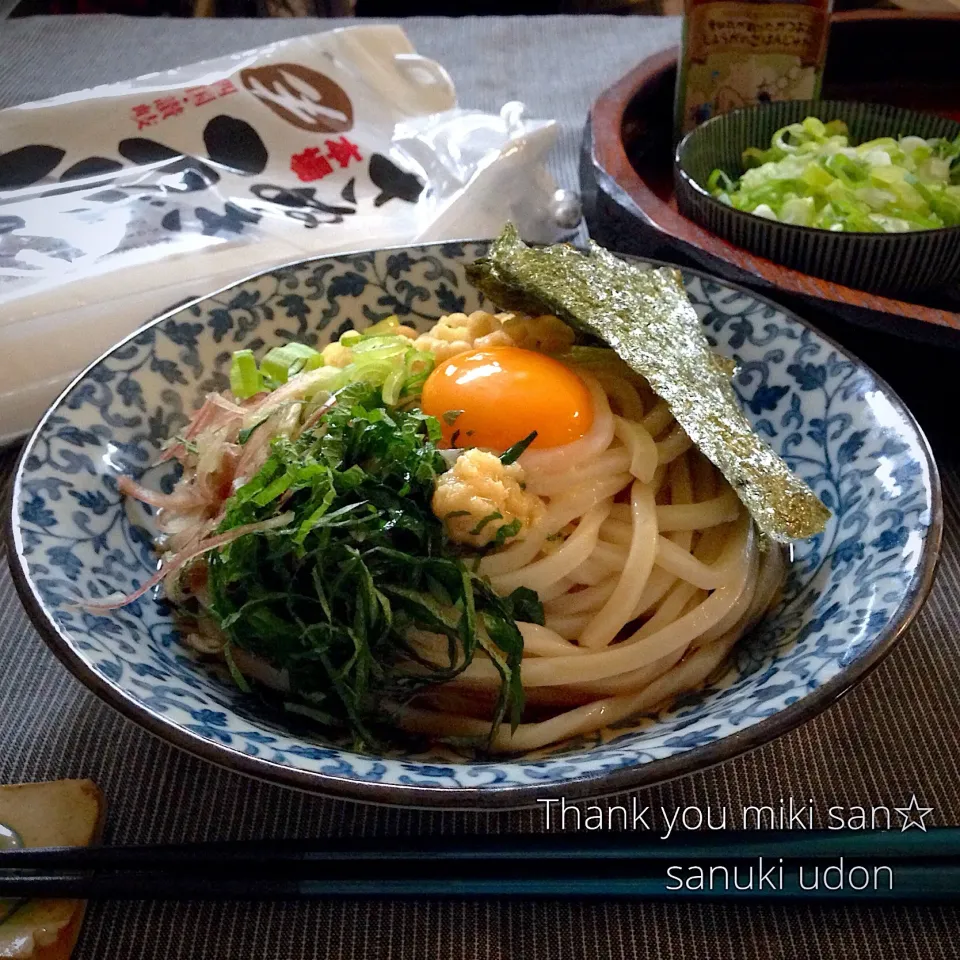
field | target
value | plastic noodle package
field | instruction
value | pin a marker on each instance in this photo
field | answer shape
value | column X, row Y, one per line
column 121, row 201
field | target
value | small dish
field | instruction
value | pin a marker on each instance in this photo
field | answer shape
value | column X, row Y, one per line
column 886, row 263
column 850, row 594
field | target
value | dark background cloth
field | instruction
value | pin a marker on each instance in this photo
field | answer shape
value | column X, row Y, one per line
column 895, row 735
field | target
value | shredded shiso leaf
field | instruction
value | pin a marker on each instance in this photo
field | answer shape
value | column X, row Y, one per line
column 331, row 596
column 647, row 318
column 813, row 177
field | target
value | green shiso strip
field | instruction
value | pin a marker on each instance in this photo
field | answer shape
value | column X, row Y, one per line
column 332, row 596
column 646, row 317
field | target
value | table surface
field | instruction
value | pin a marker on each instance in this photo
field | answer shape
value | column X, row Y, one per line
column 894, row 736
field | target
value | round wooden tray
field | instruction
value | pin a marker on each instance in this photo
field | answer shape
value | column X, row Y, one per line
column 626, row 169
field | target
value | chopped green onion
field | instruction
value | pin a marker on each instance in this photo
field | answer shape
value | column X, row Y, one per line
column 718, row 181
column 813, row 176
column 245, row 379
column 386, row 326
column 281, row 363
column 379, row 358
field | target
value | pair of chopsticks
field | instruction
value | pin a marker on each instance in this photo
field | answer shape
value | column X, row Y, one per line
column 761, row 865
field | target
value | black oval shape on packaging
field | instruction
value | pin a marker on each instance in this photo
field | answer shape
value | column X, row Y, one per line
column 235, row 144
column 27, row 165
column 90, row 167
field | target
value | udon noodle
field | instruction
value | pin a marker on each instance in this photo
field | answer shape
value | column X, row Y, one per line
column 649, row 569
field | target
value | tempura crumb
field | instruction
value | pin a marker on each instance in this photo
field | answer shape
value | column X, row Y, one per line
column 336, row 355
column 457, row 333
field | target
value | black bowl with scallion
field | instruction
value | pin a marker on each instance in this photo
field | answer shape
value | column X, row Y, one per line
column 866, row 195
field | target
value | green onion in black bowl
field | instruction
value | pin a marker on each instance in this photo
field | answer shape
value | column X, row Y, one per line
column 842, row 238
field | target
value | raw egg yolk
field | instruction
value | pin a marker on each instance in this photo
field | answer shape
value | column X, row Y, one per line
column 494, row 398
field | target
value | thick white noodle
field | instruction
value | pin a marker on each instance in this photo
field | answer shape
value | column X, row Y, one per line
column 596, row 570
column 658, row 419
column 705, row 477
column 644, row 455
column 570, row 626
column 735, row 561
column 689, row 673
column 670, row 609
column 556, row 591
column 617, row 531
column 684, row 565
column 591, row 598
column 681, row 492
column 657, row 586
column 669, row 557
column 543, row 642
column 613, row 556
column 769, row 581
column 673, row 445
column 739, row 610
column 613, row 460
column 635, row 571
column 698, row 516
column 623, row 394
column 562, row 511
column 543, row 573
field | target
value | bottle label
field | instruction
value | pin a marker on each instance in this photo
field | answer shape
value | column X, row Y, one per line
column 737, row 54
column 770, row 28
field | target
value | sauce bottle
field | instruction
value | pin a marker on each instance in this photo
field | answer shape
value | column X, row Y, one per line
column 739, row 52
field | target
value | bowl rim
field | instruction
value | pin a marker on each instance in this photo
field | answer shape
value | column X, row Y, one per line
column 683, row 177
column 516, row 796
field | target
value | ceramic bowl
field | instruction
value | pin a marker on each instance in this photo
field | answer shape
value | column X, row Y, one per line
column 889, row 263
column 850, row 594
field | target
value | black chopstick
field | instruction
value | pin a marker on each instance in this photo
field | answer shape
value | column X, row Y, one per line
column 938, row 842
column 913, row 882
column 880, row 865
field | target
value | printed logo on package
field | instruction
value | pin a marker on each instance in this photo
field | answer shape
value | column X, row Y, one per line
column 301, row 96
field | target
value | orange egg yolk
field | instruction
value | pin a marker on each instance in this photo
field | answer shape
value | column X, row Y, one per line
column 494, row 398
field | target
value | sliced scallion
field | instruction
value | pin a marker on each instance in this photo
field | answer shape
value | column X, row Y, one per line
column 292, row 357
column 813, row 176
column 245, row 379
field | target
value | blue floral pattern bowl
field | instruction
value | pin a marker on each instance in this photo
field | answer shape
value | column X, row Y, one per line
column 851, row 591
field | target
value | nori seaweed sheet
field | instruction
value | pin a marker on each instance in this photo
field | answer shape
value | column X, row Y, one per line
column 647, row 318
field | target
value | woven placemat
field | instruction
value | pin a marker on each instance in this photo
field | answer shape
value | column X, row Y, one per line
column 896, row 735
